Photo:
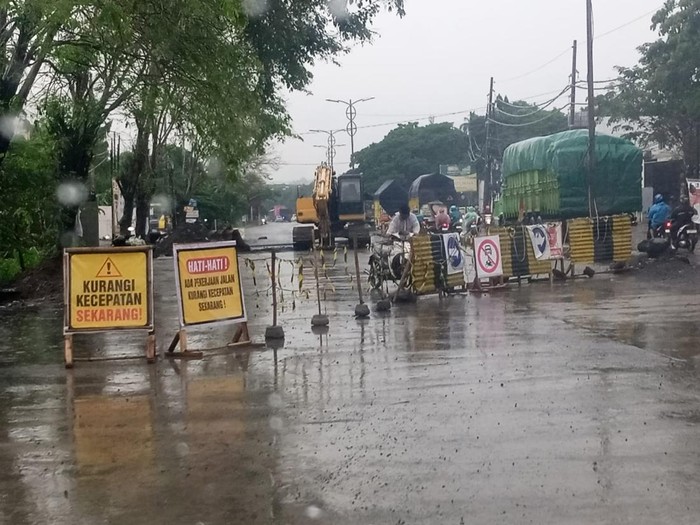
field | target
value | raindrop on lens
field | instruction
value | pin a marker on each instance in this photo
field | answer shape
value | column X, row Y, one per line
column 275, row 401
column 255, row 8
column 313, row 512
column 71, row 193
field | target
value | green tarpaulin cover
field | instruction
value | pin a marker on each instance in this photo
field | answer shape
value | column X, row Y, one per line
column 549, row 175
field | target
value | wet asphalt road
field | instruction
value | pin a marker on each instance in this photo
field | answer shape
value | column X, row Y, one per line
column 578, row 403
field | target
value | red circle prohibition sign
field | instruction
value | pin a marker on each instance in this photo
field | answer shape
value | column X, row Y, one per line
column 488, row 256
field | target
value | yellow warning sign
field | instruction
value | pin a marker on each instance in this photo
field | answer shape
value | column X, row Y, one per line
column 109, row 269
column 208, row 283
column 108, row 289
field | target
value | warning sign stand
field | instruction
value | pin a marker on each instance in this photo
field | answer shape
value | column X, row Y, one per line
column 107, row 290
column 209, row 291
column 487, row 262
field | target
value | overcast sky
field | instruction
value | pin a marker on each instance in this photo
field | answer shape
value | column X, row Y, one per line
column 439, row 58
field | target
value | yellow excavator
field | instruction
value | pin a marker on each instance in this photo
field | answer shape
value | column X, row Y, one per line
column 336, row 208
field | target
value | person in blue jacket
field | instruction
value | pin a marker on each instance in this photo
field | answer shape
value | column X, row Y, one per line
column 658, row 213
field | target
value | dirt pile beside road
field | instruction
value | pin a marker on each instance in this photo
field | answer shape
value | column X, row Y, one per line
column 44, row 282
column 666, row 268
column 193, row 233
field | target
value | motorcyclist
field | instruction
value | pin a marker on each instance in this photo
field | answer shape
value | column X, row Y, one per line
column 404, row 223
column 471, row 217
column 658, row 214
column 455, row 216
column 680, row 216
column 442, row 219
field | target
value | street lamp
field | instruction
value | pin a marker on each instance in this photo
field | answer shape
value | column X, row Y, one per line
column 351, row 113
column 331, row 143
column 330, row 152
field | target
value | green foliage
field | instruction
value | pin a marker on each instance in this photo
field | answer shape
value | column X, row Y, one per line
column 11, row 267
column 211, row 73
column 27, row 209
column 657, row 102
column 411, row 150
column 75, row 128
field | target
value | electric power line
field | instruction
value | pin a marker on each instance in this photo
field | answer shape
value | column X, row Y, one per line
column 525, row 124
column 602, row 88
column 539, row 68
column 628, row 23
column 462, row 112
column 539, row 110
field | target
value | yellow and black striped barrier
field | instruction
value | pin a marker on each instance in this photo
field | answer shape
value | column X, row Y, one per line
column 601, row 240
column 429, row 269
column 517, row 254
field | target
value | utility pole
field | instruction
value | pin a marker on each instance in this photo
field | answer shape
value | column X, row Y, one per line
column 572, row 110
column 351, row 128
column 488, row 181
column 591, row 105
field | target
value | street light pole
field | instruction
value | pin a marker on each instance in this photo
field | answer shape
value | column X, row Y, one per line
column 351, row 113
column 330, row 152
column 331, row 143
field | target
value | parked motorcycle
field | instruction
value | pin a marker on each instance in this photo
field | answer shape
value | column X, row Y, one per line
column 388, row 259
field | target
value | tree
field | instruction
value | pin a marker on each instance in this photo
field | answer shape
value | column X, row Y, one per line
column 193, row 70
column 28, row 209
column 657, row 102
column 28, row 33
column 411, row 150
column 206, row 73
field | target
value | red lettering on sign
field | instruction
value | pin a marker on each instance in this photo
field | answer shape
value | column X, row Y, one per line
column 208, row 264
column 101, row 316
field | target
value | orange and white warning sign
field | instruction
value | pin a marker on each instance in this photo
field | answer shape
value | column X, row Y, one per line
column 108, row 289
column 208, row 283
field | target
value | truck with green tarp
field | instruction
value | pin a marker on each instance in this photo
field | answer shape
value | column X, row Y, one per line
column 549, row 176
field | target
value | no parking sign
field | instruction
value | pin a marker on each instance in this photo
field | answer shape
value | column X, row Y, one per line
column 487, row 252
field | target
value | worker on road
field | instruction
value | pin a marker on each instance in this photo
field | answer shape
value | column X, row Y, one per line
column 404, row 223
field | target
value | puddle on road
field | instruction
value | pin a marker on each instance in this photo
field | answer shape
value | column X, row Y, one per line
column 31, row 335
column 663, row 322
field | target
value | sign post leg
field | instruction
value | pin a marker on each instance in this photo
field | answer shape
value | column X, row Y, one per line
column 151, row 347
column 181, row 338
column 242, row 337
column 68, row 350
column 174, row 343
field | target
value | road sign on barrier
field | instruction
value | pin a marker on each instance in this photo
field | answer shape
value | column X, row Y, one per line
column 108, row 290
column 453, row 253
column 488, row 257
column 208, row 283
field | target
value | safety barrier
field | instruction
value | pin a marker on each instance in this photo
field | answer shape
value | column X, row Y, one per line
column 518, row 256
column 429, row 270
column 601, row 240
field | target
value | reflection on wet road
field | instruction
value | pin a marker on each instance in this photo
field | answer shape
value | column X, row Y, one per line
column 571, row 404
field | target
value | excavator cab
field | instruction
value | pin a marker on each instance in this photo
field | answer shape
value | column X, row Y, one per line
column 351, row 206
